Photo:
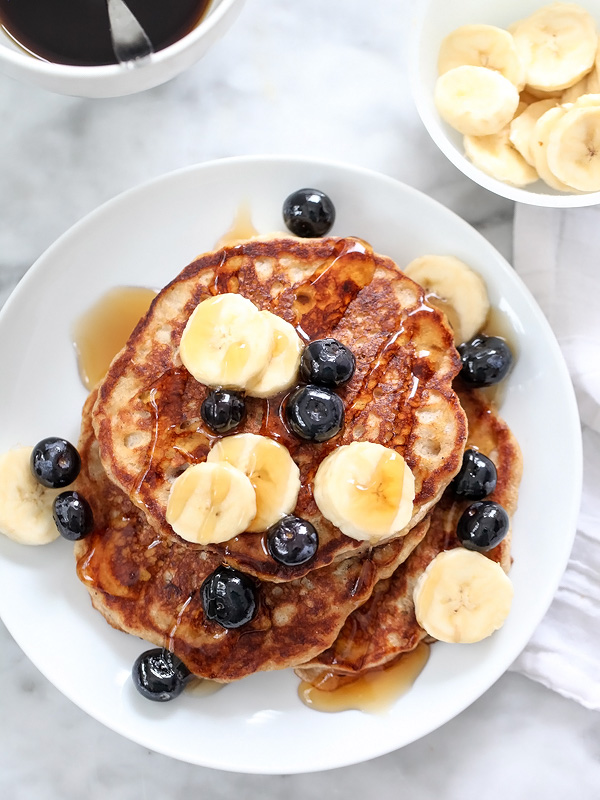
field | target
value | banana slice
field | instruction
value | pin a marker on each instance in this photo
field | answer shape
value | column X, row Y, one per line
column 25, row 505
column 211, row 503
column 462, row 597
column 475, row 100
column 454, row 288
column 573, row 151
column 366, row 489
column 482, row 46
column 587, row 101
column 539, row 147
column 496, row 156
column 271, row 470
column 557, row 44
column 590, row 84
column 227, row 342
column 282, row 369
column 521, row 128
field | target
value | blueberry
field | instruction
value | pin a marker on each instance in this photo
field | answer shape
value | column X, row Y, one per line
column 73, row 516
column 292, row 541
column 222, row 410
column 327, row 362
column 229, row 597
column 477, row 476
column 485, row 360
column 55, row 463
column 159, row 675
column 308, row 213
column 482, row 526
column 315, row 413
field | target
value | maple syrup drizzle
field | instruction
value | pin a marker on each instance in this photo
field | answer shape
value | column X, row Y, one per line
column 203, row 687
column 374, row 692
column 340, row 278
column 242, row 228
column 104, row 329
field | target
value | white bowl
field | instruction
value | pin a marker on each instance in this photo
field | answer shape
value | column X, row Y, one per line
column 434, row 20
column 114, row 80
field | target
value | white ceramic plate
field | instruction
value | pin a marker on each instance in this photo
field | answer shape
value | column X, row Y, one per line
column 434, row 20
column 144, row 237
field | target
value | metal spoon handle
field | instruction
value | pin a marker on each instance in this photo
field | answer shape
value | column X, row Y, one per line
column 129, row 40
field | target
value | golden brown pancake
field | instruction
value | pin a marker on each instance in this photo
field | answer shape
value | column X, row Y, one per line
column 385, row 626
column 147, row 416
column 148, row 584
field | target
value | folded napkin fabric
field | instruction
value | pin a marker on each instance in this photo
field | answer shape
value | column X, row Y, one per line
column 557, row 254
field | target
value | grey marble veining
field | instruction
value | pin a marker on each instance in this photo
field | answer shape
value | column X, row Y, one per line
column 316, row 79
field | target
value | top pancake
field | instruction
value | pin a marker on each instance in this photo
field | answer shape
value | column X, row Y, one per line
column 147, row 416
column 386, row 626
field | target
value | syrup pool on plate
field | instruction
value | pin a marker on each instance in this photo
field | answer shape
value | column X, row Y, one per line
column 103, row 329
column 374, row 692
column 77, row 32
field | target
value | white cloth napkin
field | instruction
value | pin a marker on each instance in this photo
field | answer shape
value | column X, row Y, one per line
column 557, row 253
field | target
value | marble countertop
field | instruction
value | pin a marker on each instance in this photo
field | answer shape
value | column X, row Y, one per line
column 315, row 79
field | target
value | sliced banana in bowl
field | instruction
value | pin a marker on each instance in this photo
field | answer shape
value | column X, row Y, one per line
column 544, row 52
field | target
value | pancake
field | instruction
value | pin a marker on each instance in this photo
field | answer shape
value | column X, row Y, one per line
column 385, row 627
column 148, row 585
column 147, row 416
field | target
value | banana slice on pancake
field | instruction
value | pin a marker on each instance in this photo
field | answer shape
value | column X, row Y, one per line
column 573, row 152
column 25, row 505
column 475, row 100
column 226, row 342
column 272, row 472
column 281, row 370
column 453, row 287
column 366, row 489
column 557, row 44
column 462, row 597
column 482, row 46
column 211, row 503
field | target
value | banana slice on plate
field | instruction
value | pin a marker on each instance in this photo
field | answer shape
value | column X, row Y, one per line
column 25, row 505
column 475, row 100
column 557, row 44
column 539, row 147
column 497, row 156
column 227, row 342
column 272, row 472
column 282, row 368
column 573, row 151
column 522, row 126
column 482, row 46
column 462, row 597
column 366, row 489
column 211, row 503
column 454, row 288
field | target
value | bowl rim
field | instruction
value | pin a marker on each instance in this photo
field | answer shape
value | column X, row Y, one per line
column 435, row 128
column 93, row 74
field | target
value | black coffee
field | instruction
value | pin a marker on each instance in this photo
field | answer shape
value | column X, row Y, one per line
column 77, row 31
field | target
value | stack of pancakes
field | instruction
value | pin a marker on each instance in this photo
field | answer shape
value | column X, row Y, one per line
column 350, row 607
